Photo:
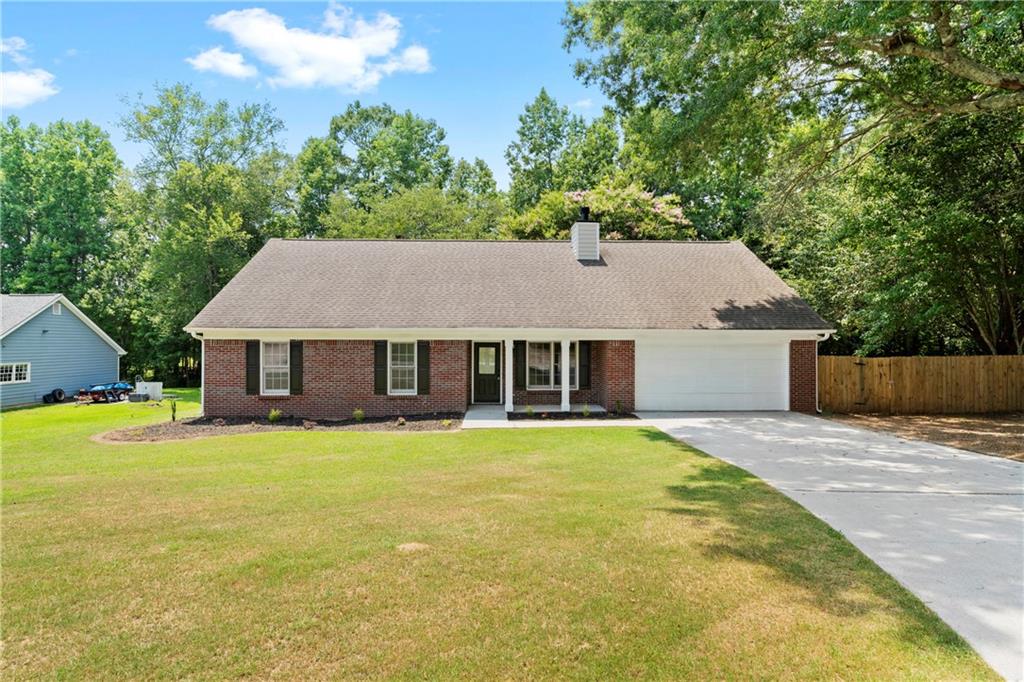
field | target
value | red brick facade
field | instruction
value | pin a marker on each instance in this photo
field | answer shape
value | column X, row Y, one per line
column 337, row 379
column 803, row 376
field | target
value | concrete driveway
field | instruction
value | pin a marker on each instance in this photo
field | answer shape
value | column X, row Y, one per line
column 946, row 523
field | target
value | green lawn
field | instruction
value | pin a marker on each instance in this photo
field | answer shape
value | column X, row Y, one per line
column 597, row 553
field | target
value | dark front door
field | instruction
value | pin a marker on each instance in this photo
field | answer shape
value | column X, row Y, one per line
column 487, row 373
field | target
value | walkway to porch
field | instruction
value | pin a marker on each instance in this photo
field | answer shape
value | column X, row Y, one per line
column 493, row 417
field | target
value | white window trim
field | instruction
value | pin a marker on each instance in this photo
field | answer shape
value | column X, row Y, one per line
column 263, row 373
column 56, row 308
column 552, row 386
column 14, row 365
column 415, row 370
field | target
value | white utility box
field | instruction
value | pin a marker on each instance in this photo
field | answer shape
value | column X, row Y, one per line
column 154, row 389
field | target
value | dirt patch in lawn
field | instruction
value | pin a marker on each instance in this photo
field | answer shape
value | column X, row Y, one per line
column 1001, row 435
column 202, row 427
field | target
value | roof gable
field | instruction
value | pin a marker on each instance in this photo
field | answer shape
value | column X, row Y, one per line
column 16, row 310
column 362, row 284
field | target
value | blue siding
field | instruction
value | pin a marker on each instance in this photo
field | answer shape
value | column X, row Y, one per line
column 64, row 353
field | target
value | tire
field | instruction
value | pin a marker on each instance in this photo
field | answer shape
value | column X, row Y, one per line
column 58, row 395
column 48, row 398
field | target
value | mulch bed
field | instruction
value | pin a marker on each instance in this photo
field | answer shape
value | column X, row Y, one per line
column 203, row 426
column 539, row 415
column 1001, row 435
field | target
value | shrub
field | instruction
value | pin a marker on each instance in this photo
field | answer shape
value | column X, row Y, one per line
column 174, row 410
column 274, row 416
column 586, row 410
column 529, row 410
column 446, row 423
column 618, row 407
column 400, row 421
column 358, row 414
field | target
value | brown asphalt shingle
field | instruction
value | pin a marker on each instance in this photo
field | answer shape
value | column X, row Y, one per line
column 515, row 284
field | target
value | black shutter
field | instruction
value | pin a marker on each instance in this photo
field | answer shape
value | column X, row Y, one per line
column 252, row 367
column 380, row 367
column 584, row 368
column 295, row 367
column 519, row 362
column 423, row 368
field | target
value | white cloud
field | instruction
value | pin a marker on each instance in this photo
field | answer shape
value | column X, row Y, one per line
column 225, row 63
column 348, row 52
column 15, row 47
column 584, row 103
column 21, row 88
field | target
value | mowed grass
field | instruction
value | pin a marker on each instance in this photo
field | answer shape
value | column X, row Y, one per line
column 554, row 553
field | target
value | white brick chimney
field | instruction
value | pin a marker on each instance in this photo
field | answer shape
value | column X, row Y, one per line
column 586, row 237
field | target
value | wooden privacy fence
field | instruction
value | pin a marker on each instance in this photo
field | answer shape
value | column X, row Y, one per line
column 921, row 385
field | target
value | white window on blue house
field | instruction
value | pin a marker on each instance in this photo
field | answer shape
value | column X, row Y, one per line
column 56, row 308
column 15, row 372
column 274, row 373
column 402, row 368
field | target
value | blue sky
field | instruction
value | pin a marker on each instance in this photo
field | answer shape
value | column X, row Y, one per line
column 472, row 67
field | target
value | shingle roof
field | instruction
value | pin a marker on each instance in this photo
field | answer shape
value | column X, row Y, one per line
column 17, row 308
column 355, row 284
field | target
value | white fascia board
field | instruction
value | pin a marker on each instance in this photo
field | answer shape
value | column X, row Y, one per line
column 519, row 334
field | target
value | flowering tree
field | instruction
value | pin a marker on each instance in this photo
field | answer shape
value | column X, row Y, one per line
column 625, row 211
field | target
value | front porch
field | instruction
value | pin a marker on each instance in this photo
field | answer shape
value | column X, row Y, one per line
column 558, row 376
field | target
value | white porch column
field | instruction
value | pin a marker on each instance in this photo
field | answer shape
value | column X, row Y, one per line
column 509, row 375
column 565, row 375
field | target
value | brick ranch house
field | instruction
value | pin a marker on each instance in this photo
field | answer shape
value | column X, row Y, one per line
column 318, row 328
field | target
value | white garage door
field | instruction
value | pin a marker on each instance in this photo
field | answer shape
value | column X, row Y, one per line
column 685, row 376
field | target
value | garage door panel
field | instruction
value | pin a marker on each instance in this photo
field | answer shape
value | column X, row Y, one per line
column 711, row 377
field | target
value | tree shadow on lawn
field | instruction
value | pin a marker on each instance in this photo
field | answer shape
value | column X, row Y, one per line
column 754, row 523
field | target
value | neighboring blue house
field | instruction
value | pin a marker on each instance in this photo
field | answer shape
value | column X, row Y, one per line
column 47, row 343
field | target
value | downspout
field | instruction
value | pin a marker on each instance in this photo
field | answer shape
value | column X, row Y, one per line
column 202, row 373
column 817, row 391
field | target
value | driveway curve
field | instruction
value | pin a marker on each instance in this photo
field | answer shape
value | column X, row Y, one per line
column 946, row 523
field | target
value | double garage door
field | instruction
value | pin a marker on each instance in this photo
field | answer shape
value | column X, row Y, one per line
column 730, row 376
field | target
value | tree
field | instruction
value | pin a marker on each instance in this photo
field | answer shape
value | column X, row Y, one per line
column 589, row 156
column 923, row 251
column 118, row 297
column 57, row 183
column 181, row 127
column 472, row 180
column 532, row 156
column 724, row 72
column 625, row 211
column 423, row 212
column 318, row 176
column 215, row 186
column 369, row 152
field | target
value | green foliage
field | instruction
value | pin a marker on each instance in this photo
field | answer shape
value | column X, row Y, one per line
column 174, row 410
column 625, row 210
column 181, row 127
column 589, row 156
column 56, row 187
column 274, row 416
column 533, row 155
column 423, row 212
column 358, row 414
column 920, row 251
